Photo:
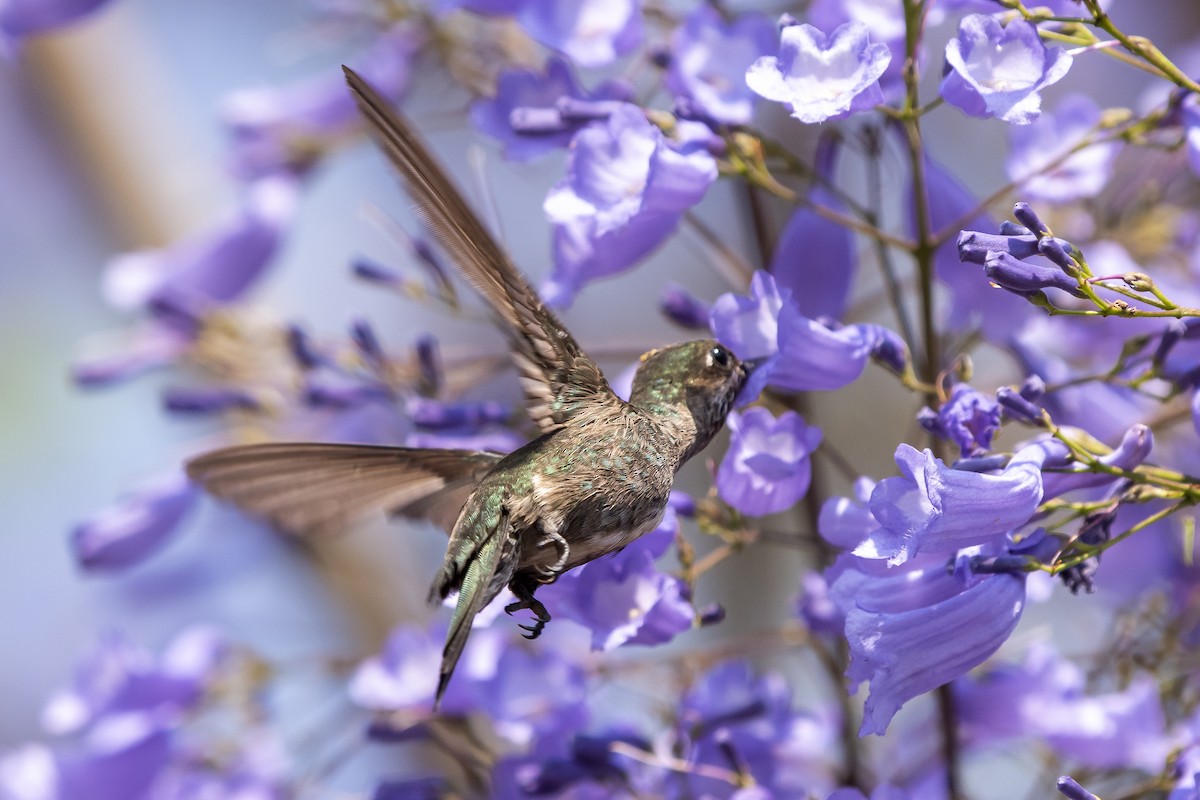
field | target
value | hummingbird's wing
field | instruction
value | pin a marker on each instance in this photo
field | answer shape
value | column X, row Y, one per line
column 488, row 570
column 558, row 377
column 309, row 488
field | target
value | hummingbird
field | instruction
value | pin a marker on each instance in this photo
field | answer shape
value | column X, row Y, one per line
column 595, row 479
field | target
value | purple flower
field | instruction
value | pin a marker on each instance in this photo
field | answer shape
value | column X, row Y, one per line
column 1046, row 697
column 1070, row 787
column 287, row 129
column 709, row 59
column 683, row 308
column 213, row 267
column 121, row 678
column 913, row 631
column 766, row 468
column 846, row 523
column 623, row 598
column 403, row 676
column 137, row 526
column 626, row 188
column 822, row 77
column 967, row 418
column 997, row 71
column 939, row 509
column 1048, row 138
column 1191, row 128
column 20, row 19
column 804, row 354
column 815, row 258
column 591, row 33
column 532, row 693
column 527, row 113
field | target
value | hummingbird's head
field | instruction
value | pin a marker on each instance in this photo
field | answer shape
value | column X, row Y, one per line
column 701, row 376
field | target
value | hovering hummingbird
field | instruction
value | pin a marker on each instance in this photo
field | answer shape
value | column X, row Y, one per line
column 595, row 480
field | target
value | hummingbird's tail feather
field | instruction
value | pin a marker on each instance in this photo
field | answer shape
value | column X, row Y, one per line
column 485, row 575
column 313, row 488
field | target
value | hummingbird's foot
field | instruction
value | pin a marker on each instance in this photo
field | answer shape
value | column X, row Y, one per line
column 543, row 616
column 550, row 574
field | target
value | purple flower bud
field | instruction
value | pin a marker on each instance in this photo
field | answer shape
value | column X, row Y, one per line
column 341, row 394
column 1026, row 278
column 974, row 247
column 126, row 533
column 682, row 503
column 429, row 359
column 1033, row 388
column 371, row 270
column 302, row 350
column 1056, row 250
column 683, row 308
column 1172, row 334
column 1017, row 407
column 1029, row 218
column 364, row 338
column 1071, row 788
column 430, row 788
column 711, row 614
column 1010, row 228
column 578, row 110
column 434, row 414
column 887, row 347
column 1134, row 448
column 208, row 400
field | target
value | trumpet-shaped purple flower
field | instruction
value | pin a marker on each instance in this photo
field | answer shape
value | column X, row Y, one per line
column 997, row 71
column 591, row 33
column 135, row 527
column 709, row 59
column 822, row 77
column 935, row 508
column 804, row 355
column 1048, row 138
column 212, row 267
column 529, row 114
column 913, row 631
column 766, row 468
column 967, row 418
column 287, row 129
column 1133, row 449
column 846, row 522
column 20, row 19
column 1191, row 128
column 626, row 188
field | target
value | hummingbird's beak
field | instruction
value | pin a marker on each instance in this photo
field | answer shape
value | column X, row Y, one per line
column 752, row 364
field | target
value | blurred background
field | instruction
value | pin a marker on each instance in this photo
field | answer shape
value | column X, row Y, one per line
column 110, row 141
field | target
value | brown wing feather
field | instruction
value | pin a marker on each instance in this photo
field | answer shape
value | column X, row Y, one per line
column 558, row 377
column 310, row 488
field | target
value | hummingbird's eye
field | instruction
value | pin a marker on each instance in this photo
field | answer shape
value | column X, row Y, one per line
column 719, row 356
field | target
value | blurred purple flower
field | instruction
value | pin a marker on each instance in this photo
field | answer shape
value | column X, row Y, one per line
column 683, row 308
column 1191, row 128
column 403, row 676
column 137, row 526
column 287, row 129
column 1048, row 138
column 816, row 606
column 804, row 354
column 913, row 631
column 973, row 301
column 121, row 678
column 1133, row 449
column 533, row 692
column 766, row 468
column 884, row 792
column 997, row 71
column 709, row 59
column 967, row 418
column 822, row 77
column 1047, row 697
column 526, row 114
column 935, row 508
column 591, row 33
column 213, row 267
column 625, row 189
column 1070, row 787
column 20, row 19
column 623, row 598
column 815, row 258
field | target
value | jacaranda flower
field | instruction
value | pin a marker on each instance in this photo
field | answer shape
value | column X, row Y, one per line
column 934, row 508
column 822, row 77
column 997, row 71
column 1191, row 128
column 136, row 526
column 767, row 467
column 968, row 418
column 1048, row 138
column 709, row 59
column 527, row 116
column 846, row 522
column 625, row 190
column 913, row 631
column 591, row 33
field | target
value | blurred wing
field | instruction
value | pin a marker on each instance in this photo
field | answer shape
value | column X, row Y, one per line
column 558, row 377
column 312, row 488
